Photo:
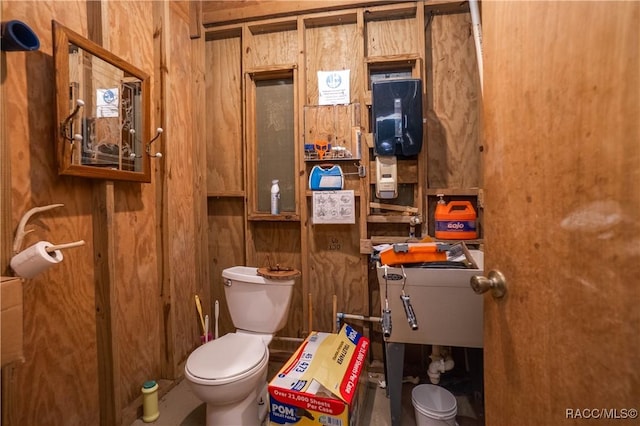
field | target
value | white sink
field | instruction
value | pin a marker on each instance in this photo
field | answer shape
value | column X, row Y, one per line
column 447, row 310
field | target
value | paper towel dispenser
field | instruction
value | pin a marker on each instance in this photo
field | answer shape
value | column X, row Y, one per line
column 397, row 111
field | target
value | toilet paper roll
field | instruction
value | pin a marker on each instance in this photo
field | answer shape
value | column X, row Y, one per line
column 35, row 259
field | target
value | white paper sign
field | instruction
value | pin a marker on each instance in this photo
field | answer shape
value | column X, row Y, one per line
column 333, row 87
column 107, row 102
column 334, row 207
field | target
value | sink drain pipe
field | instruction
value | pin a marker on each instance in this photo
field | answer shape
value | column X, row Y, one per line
column 341, row 316
column 441, row 362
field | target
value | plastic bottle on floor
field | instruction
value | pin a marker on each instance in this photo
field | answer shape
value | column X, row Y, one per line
column 150, row 412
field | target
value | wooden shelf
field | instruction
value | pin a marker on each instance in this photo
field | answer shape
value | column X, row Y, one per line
column 472, row 242
column 331, row 160
column 454, row 191
column 397, row 11
column 267, row 217
column 309, row 193
column 378, row 218
column 445, row 6
column 391, row 61
column 366, row 245
column 226, row 194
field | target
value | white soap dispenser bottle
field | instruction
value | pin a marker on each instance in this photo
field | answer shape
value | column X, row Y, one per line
column 275, row 197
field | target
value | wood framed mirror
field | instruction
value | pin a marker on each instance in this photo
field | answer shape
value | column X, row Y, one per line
column 103, row 111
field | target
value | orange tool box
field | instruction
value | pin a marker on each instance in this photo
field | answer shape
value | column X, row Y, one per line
column 414, row 253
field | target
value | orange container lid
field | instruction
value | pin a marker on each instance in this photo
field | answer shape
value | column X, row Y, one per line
column 455, row 210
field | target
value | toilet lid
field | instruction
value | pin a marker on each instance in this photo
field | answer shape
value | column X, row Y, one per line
column 227, row 357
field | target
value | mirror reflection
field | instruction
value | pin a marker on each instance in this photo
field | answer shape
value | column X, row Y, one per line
column 103, row 111
column 111, row 113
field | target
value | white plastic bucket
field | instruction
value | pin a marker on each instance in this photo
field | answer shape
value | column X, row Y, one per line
column 434, row 406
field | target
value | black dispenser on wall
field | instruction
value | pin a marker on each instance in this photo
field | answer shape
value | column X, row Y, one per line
column 397, row 111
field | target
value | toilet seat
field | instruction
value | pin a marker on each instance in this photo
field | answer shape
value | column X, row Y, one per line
column 227, row 359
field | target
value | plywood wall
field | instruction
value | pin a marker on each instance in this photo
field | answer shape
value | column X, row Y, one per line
column 143, row 229
column 351, row 39
column 389, row 34
column 452, row 145
column 223, row 121
column 332, row 47
column 226, row 247
column 334, row 43
column 223, row 138
column 271, row 45
column 184, row 185
column 281, row 245
column 166, row 240
column 59, row 321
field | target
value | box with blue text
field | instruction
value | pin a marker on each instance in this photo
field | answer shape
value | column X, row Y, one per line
column 319, row 384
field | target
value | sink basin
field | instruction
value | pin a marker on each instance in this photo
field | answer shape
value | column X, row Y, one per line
column 448, row 312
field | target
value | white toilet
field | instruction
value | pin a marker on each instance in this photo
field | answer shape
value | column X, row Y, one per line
column 230, row 373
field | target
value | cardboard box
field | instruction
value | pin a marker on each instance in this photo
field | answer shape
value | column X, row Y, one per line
column 11, row 319
column 320, row 383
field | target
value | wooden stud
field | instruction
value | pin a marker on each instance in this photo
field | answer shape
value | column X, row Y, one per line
column 6, row 223
column 195, row 18
column 334, row 327
column 105, row 275
column 310, row 311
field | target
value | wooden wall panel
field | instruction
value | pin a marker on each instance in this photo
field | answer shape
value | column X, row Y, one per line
column 453, row 113
column 137, row 326
column 217, row 12
column 57, row 385
column 134, row 28
column 319, row 124
column 225, row 167
column 333, row 42
column 331, row 47
column 6, row 222
column 59, row 316
column 180, row 182
column 280, row 244
column 226, row 249
column 225, row 172
column 271, row 48
column 334, row 124
column 334, row 269
column 198, row 71
column 392, row 37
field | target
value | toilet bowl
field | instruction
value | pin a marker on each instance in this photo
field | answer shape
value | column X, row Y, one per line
column 230, row 373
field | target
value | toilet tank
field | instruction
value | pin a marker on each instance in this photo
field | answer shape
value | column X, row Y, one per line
column 448, row 311
column 256, row 303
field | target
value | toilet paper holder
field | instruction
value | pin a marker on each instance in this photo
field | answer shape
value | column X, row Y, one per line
column 52, row 250
column 21, row 232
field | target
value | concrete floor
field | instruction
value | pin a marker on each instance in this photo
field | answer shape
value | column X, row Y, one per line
column 179, row 407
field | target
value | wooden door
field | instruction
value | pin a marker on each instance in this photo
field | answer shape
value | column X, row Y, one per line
column 561, row 146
